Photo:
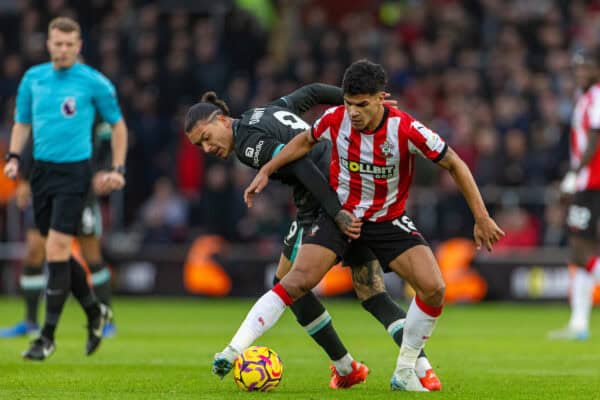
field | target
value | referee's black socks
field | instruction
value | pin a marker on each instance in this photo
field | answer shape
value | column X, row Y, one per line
column 57, row 291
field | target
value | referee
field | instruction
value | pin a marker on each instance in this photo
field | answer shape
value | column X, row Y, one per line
column 57, row 101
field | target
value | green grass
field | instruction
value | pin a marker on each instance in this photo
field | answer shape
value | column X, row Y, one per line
column 164, row 349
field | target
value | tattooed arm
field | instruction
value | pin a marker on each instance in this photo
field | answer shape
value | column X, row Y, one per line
column 348, row 224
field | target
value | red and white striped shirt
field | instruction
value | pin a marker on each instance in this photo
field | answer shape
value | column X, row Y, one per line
column 372, row 171
column 586, row 116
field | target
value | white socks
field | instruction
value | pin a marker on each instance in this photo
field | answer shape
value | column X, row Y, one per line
column 344, row 365
column 262, row 316
column 420, row 321
column 422, row 366
column 581, row 299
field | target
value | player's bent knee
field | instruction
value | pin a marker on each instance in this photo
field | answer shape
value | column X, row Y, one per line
column 433, row 295
column 295, row 284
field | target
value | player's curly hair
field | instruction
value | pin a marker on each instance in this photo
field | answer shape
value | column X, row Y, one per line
column 364, row 77
column 209, row 107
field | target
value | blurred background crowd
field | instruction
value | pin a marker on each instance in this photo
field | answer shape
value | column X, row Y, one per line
column 492, row 77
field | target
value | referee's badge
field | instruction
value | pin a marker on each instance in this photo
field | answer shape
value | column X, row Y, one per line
column 386, row 149
column 68, row 107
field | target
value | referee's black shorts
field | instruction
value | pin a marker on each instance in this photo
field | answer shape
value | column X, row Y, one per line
column 59, row 191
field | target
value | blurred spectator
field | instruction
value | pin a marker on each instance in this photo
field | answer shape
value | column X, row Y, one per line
column 486, row 167
column 163, row 215
column 219, row 207
column 518, row 167
column 553, row 230
column 12, row 70
column 492, row 77
column 454, row 217
column 209, row 70
column 522, row 229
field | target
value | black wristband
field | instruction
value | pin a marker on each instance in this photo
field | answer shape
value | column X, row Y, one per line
column 10, row 155
column 120, row 169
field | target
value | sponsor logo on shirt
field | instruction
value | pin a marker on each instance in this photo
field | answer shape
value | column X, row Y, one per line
column 257, row 151
column 256, row 115
column 249, row 152
column 68, row 107
column 384, row 172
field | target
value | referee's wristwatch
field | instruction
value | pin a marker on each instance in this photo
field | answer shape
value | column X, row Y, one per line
column 11, row 155
column 120, row 169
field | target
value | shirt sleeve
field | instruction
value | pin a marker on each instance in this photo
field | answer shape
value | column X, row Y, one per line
column 309, row 96
column 424, row 141
column 322, row 127
column 106, row 102
column 258, row 149
column 23, row 106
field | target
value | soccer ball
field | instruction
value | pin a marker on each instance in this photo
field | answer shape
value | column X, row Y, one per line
column 257, row 369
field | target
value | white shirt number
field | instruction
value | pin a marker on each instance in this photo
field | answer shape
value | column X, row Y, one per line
column 292, row 120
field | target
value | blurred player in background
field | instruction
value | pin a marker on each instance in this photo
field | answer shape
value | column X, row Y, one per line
column 32, row 280
column 256, row 137
column 57, row 101
column 371, row 169
column 582, row 183
column 89, row 232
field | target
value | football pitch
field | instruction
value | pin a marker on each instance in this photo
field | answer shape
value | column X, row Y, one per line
column 163, row 349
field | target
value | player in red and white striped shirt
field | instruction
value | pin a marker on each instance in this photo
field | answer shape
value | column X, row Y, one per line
column 583, row 183
column 371, row 169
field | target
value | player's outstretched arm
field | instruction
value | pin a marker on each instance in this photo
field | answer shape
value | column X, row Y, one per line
column 485, row 232
column 308, row 96
column 296, row 148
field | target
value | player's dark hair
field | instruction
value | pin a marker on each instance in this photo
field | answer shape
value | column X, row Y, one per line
column 364, row 77
column 209, row 107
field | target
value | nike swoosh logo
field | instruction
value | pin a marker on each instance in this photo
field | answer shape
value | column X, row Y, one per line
column 98, row 332
column 47, row 351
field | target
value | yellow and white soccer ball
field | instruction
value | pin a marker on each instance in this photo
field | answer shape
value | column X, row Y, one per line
column 258, row 368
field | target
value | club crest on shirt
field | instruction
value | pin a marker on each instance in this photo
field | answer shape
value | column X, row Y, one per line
column 68, row 107
column 386, row 149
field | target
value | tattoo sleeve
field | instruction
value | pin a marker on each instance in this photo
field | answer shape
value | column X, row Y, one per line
column 343, row 220
column 368, row 279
